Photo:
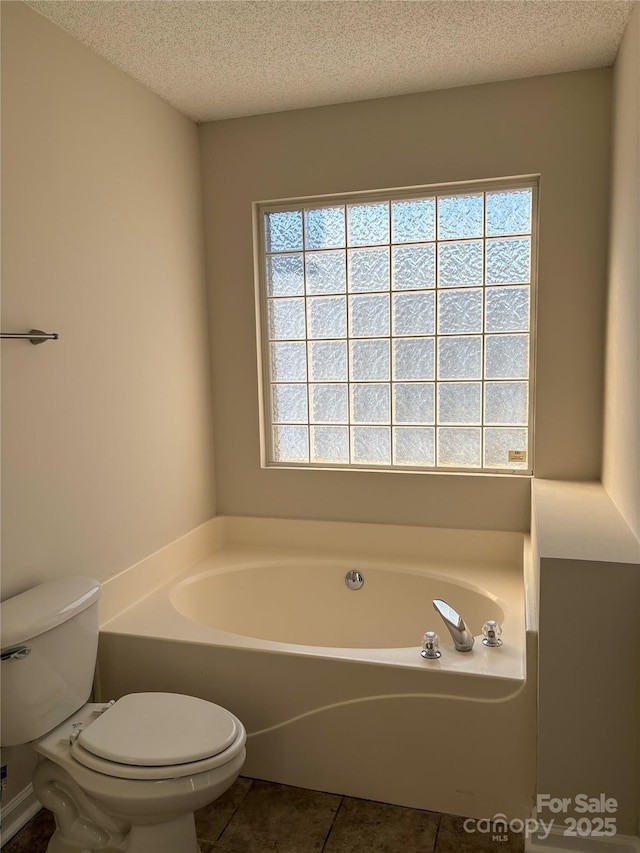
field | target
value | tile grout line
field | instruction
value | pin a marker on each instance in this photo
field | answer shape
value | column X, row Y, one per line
column 435, row 841
column 328, row 835
column 231, row 816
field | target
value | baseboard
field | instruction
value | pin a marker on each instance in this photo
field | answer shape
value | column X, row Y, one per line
column 18, row 812
column 557, row 842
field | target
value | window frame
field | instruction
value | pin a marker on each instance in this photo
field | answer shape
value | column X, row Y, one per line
column 261, row 208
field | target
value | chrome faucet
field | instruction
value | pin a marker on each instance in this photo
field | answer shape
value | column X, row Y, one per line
column 460, row 634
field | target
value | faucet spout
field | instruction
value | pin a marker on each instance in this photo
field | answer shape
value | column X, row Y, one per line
column 460, row 634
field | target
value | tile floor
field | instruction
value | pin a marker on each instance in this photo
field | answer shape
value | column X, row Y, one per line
column 263, row 817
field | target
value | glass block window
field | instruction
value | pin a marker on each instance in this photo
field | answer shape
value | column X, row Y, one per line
column 396, row 328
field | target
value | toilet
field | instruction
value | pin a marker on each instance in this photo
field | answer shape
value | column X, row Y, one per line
column 126, row 775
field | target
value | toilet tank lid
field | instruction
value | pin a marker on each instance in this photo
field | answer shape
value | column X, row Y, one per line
column 43, row 607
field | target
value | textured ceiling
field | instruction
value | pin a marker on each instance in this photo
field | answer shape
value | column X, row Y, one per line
column 215, row 59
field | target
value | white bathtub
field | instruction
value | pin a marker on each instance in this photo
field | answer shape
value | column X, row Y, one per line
column 329, row 681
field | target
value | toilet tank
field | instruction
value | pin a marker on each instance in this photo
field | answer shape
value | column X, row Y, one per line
column 57, row 622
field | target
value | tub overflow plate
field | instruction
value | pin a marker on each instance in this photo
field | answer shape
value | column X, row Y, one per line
column 354, row 580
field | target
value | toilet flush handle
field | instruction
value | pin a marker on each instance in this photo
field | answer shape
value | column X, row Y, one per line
column 17, row 653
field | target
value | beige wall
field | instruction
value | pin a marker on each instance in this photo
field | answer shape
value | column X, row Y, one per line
column 106, row 433
column 588, row 685
column 589, row 649
column 621, row 473
column 558, row 126
column 621, row 465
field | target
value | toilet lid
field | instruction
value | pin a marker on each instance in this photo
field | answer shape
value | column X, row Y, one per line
column 160, row 729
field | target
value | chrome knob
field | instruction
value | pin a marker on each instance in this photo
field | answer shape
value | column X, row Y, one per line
column 492, row 632
column 354, row 579
column 431, row 646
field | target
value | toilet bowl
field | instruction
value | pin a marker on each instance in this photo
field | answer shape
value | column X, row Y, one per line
column 139, row 808
column 122, row 776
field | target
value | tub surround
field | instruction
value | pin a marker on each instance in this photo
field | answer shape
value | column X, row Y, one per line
column 358, row 721
column 579, row 521
column 129, row 586
column 349, row 538
column 391, row 540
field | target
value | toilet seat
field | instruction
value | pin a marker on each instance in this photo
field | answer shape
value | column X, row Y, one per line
column 175, row 771
column 159, row 736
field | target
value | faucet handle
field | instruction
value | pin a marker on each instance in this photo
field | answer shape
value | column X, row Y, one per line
column 492, row 633
column 431, row 646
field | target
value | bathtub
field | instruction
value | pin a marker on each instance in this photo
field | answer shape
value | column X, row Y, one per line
column 329, row 681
